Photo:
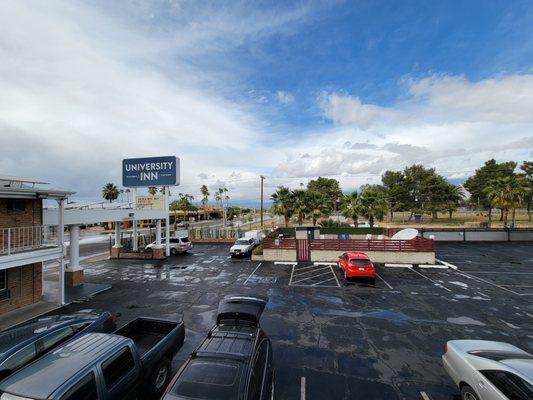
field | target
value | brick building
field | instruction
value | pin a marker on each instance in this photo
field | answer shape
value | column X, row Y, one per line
column 25, row 243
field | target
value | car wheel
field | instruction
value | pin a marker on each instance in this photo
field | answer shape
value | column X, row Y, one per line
column 373, row 281
column 173, row 251
column 160, row 377
column 467, row 393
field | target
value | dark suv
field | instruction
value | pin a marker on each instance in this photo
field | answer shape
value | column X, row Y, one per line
column 233, row 362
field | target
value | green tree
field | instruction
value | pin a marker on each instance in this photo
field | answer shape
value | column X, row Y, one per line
column 373, row 203
column 506, row 193
column 205, row 199
column 453, row 199
column 283, row 203
column 416, row 187
column 527, row 167
column 478, row 183
column 183, row 203
column 299, row 197
column 110, row 192
column 318, row 205
column 350, row 206
column 329, row 187
column 434, row 192
column 397, row 191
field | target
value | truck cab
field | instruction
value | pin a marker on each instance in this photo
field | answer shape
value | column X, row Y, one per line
column 132, row 363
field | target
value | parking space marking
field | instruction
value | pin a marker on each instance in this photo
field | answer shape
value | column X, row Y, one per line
column 302, row 388
column 253, row 272
column 425, row 396
column 310, row 274
column 490, row 283
column 500, row 272
column 429, row 279
column 386, row 283
column 446, row 263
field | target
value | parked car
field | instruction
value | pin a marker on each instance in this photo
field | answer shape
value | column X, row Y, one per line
column 242, row 247
column 179, row 244
column 133, row 363
column 182, row 224
column 24, row 343
column 357, row 265
column 486, row 370
column 233, row 362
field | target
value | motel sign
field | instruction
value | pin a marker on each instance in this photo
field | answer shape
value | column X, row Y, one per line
column 150, row 171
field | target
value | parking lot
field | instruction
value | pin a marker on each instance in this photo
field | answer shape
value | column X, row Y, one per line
column 333, row 340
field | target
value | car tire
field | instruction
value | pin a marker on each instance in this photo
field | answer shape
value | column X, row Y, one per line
column 173, row 251
column 160, row 378
column 467, row 393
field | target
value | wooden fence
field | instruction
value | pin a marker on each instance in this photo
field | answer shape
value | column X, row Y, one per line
column 415, row 245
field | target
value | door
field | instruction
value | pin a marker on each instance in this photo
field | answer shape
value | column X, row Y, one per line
column 302, row 250
column 120, row 374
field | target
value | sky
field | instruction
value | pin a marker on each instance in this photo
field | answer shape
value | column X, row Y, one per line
column 288, row 90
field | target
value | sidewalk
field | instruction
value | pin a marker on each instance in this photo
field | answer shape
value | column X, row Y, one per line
column 24, row 314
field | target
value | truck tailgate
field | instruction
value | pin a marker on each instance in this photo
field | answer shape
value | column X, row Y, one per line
column 147, row 332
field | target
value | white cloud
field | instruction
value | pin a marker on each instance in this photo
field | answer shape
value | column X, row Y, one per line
column 284, row 97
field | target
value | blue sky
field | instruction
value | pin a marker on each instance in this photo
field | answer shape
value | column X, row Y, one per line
column 290, row 90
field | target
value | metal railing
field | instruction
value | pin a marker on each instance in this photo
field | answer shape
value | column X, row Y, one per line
column 216, row 233
column 415, row 245
column 25, row 238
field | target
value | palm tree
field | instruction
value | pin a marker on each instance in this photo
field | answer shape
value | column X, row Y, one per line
column 218, row 196
column 373, row 203
column 110, row 192
column 205, row 198
column 299, row 197
column 317, row 205
column 350, row 206
column 152, row 190
column 507, row 193
column 283, row 203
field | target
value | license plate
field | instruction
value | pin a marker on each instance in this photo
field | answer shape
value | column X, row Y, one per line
column 361, row 269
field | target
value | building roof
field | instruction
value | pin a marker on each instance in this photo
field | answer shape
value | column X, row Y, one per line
column 17, row 187
column 44, row 376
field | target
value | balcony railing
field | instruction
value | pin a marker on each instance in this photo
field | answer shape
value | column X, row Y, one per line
column 26, row 238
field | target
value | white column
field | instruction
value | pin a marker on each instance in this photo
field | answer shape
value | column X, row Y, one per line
column 117, row 235
column 61, row 243
column 135, row 247
column 167, row 226
column 74, row 247
column 158, row 233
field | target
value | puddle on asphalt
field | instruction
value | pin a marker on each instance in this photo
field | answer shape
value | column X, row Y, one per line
column 464, row 321
column 331, row 299
column 380, row 314
column 461, row 284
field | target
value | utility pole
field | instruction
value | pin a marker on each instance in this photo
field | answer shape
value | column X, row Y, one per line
column 262, row 179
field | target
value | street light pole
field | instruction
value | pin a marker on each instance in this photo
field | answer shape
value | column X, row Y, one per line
column 262, row 179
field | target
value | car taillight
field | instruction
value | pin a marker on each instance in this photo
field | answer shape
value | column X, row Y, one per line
column 112, row 318
column 445, row 348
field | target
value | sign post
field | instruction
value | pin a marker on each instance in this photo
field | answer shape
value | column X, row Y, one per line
column 152, row 171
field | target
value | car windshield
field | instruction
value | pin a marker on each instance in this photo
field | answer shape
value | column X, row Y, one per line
column 242, row 242
column 359, row 262
column 208, row 380
column 500, row 355
column 184, row 240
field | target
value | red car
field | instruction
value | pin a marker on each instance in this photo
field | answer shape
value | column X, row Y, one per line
column 357, row 265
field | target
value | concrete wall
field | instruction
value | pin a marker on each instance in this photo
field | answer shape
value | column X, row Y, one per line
column 479, row 235
column 279, row 255
column 379, row 256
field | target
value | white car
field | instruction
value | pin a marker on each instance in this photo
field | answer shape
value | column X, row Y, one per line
column 177, row 245
column 486, row 370
column 242, row 247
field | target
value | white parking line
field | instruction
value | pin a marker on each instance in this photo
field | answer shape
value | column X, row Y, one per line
column 307, row 272
column 335, row 275
column 399, row 265
column 304, row 268
column 425, row 396
column 386, row 283
column 302, row 388
column 253, row 272
column 285, row 263
column 314, row 276
column 490, row 283
column 325, row 263
column 318, row 283
column 446, row 263
column 499, row 272
column 429, row 279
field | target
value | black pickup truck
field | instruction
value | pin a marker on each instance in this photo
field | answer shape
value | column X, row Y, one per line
column 131, row 363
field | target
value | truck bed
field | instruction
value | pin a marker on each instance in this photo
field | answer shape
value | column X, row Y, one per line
column 146, row 333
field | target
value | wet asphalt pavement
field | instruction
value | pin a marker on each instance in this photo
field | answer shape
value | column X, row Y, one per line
column 351, row 341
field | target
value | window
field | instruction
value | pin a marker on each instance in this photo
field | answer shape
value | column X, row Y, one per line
column 3, row 279
column 55, row 338
column 83, row 390
column 19, row 359
column 256, row 381
column 359, row 262
column 184, row 240
column 509, row 384
column 16, row 205
column 117, row 367
column 174, row 240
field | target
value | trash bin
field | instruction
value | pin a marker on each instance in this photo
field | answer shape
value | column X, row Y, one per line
column 418, row 218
